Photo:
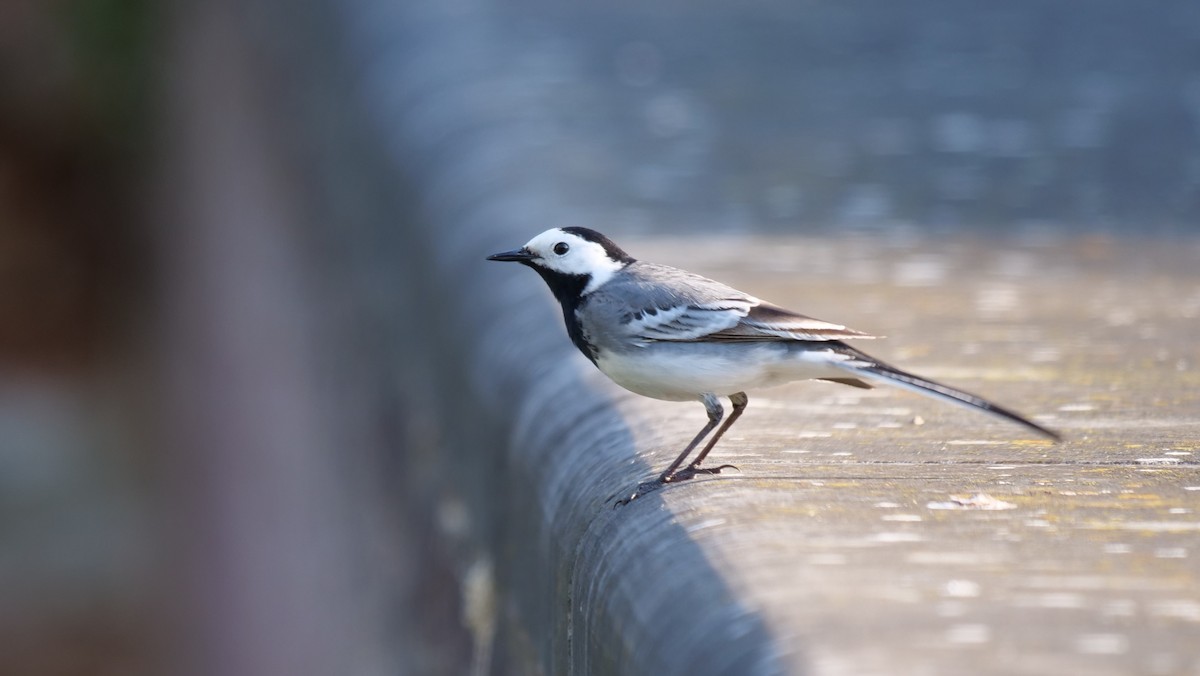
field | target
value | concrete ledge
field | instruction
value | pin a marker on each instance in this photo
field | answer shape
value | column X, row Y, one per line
column 828, row 553
column 530, row 440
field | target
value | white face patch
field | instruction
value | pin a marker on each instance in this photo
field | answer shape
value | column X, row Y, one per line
column 573, row 255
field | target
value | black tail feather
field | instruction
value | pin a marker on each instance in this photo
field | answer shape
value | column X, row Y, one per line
column 869, row 368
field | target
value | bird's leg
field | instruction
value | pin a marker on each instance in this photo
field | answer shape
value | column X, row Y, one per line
column 715, row 412
column 739, row 401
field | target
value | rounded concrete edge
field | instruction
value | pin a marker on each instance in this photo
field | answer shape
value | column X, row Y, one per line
column 583, row 588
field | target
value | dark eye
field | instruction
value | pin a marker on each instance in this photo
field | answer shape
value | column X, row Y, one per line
column 561, row 248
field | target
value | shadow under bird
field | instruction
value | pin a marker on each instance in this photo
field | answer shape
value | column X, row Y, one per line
column 669, row 334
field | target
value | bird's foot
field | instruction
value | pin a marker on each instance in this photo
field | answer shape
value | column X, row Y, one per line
column 642, row 489
column 691, row 471
column 685, row 474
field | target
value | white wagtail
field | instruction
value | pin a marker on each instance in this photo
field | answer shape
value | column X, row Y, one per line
column 669, row 334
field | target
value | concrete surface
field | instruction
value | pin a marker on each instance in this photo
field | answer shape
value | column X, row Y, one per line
column 383, row 449
column 867, row 543
column 823, row 555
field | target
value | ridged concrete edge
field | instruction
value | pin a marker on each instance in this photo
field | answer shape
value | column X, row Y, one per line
column 589, row 589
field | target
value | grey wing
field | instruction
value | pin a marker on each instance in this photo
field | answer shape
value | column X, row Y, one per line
column 666, row 304
column 686, row 322
column 765, row 321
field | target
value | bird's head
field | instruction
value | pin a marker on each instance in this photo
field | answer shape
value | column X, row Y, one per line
column 576, row 257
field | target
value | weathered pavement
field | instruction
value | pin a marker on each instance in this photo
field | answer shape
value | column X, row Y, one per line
column 877, row 532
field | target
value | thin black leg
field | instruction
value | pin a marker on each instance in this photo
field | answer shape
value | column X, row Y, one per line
column 739, row 401
column 715, row 413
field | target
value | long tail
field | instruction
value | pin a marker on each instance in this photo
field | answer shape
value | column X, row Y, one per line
column 869, row 368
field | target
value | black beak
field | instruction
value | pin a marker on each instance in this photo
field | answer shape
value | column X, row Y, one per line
column 521, row 255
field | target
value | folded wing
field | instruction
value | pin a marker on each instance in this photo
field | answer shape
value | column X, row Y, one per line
column 733, row 319
column 765, row 321
column 673, row 305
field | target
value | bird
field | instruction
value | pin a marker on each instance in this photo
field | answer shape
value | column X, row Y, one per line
column 673, row 335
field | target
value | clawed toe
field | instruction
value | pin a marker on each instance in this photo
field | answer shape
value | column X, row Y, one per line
column 713, row 470
column 642, row 489
column 692, row 472
column 681, row 475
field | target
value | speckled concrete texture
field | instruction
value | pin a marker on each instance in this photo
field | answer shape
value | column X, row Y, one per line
column 875, row 532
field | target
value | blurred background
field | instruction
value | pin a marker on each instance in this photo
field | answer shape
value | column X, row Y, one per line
column 226, row 230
